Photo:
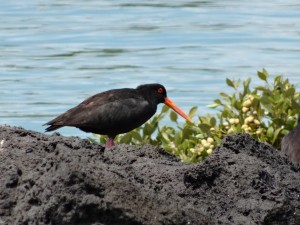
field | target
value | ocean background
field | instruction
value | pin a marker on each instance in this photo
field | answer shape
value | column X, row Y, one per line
column 55, row 54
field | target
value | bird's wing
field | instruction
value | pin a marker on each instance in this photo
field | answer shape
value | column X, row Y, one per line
column 104, row 108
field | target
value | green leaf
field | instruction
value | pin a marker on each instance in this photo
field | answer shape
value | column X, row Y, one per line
column 173, row 116
column 262, row 75
column 278, row 79
column 246, row 87
column 193, row 111
column 165, row 109
column 213, row 106
column 247, row 83
column 149, row 128
column 265, row 72
column 165, row 136
column 126, row 138
column 157, row 118
column 213, row 121
column 225, row 113
column 264, row 100
column 261, row 88
column 187, row 132
column 295, row 105
column 290, row 92
column 276, row 133
column 270, row 132
column 92, row 140
column 136, row 136
column 237, row 84
column 230, row 83
column 204, row 127
column 218, row 101
column 224, row 95
column 178, row 138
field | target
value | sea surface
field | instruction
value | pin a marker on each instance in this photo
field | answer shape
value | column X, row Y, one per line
column 56, row 53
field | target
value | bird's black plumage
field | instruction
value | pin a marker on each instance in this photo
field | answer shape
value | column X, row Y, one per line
column 115, row 111
column 290, row 144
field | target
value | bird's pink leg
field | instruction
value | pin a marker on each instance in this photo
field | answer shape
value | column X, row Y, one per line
column 110, row 142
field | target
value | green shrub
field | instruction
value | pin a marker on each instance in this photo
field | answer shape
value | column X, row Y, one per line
column 266, row 112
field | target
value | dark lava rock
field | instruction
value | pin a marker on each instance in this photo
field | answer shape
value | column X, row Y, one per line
column 67, row 180
column 290, row 144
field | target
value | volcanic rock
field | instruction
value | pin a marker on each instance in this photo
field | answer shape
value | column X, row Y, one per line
column 66, row 180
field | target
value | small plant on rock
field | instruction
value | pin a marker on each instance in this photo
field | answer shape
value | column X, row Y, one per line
column 266, row 112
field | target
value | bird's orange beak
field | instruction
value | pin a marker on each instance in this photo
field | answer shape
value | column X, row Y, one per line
column 173, row 106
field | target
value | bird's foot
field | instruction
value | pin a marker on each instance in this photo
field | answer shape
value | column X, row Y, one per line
column 110, row 142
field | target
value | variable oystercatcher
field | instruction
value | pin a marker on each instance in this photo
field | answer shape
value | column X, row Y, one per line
column 290, row 144
column 116, row 111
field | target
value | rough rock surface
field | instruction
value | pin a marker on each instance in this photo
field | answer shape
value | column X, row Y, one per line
column 66, row 180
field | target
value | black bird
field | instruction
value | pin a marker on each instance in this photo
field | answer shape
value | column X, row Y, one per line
column 290, row 144
column 115, row 111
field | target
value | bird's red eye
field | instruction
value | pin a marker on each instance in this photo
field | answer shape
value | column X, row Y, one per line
column 160, row 90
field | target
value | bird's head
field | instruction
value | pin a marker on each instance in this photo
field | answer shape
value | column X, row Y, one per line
column 157, row 93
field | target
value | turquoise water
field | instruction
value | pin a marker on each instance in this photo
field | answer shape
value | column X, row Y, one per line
column 54, row 54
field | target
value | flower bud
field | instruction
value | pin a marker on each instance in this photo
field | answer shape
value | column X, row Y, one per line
column 247, row 103
column 245, row 109
column 258, row 131
column 207, row 145
column 245, row 126
column 210, row 140
column 251, row 98
column 231, row 121
column 249, row 119
column 257, row 122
